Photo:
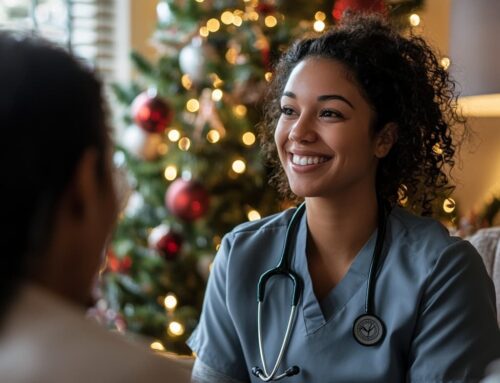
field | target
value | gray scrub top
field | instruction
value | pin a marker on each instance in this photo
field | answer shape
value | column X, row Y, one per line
column 432, row 292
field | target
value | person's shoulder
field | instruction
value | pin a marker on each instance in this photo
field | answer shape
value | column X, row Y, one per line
column 272, row 222
column 426, row 236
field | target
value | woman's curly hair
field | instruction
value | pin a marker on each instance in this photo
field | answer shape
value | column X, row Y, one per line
column 404, row 83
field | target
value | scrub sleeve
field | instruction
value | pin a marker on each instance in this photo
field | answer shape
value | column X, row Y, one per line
column 215, row 340
column 447, row 346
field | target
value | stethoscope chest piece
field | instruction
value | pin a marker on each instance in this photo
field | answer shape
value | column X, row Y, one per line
column 368, row 330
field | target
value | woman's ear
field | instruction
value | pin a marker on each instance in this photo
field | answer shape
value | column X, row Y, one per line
column 385, row 139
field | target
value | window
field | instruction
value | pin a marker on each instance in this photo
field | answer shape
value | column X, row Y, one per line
column 89, row 28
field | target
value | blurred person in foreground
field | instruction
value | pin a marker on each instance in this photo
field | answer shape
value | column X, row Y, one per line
column 59, row 207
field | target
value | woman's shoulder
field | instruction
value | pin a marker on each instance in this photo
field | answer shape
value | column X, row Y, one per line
column 277, row 221
column 426, row 234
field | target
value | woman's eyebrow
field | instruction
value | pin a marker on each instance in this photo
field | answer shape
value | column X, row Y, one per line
column 322, row 98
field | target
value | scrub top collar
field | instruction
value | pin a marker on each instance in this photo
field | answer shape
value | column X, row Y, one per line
column 316, row 314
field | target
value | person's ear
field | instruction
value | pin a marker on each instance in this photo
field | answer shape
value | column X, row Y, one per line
column 385, row 139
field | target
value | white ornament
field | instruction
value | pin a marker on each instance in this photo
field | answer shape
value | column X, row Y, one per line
column 140, row 143
column 134, row 205
column 193, row 59
column 164, row 13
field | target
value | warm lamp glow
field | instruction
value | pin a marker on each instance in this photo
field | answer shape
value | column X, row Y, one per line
column 174, row 135
column 487, row 105
column 170, row 173
column 253, row 215
column 248, row 138
column 319, row 26
column 239, row 166
column 270, row 21
column 175, row 329
column 193, row 105
column 414, row 20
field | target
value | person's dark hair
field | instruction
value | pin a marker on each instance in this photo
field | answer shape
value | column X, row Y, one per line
column 402, row 79
column 51, row 110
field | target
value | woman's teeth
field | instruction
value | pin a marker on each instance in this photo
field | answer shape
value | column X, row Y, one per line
column 307, row 160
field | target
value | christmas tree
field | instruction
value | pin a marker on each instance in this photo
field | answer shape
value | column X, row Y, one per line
column 190, row 153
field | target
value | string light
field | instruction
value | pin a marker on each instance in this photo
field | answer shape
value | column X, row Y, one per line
column 240, row 110
column 253, row 215
column 414, row 20
column 174, row 135
column 319, row 26
column 170, row 302
column 170, row 173
column 157, row 346
column 270, row 21
column 321, row 16
column 227, row 17
column 437, row 149
column 184, row 144
column 186, row 81
column 402, row 195
column 253, row 16
column 445, row 62
column 217, row 95
column 238, row 20
column 213, row 25
column 200, row 1
column 231, row 56
column 248, row 138
column 204, row 31
column 175, row 329
column 239, row 166
column 449, row 205
column 268, row 76
column 193, row 105
column 162, row 149
column 216, row 80
column 213, row 136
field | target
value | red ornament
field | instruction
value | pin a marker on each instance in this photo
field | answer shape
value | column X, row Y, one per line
column 166, row 241
column 265, row 9
column 117, row 265
column 375, row 6
column 187, row 200
column 151, row 113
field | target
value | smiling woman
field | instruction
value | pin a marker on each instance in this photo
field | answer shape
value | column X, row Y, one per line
column 351, row 121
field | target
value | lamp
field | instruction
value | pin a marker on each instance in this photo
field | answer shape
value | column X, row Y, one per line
column 475, row 55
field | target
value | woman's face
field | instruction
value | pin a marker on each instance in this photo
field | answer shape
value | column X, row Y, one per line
column 323, row 135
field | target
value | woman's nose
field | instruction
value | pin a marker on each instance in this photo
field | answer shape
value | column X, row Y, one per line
column 302, row 131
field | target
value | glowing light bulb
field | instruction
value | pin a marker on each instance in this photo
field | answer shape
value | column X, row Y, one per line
column 213, row 136
column 449, row 205
column 170, row 173
column 204, row 31
column 239, row 166
column 321, row 16
column 248, row 138
column 175, row 329
column 170, row 302
column 445, row 62
column 268, row 76
column 193, row 105
column 157, row 346
column 231, row 55
column 437, row 149
column 227, row 17
column 186, row 81
column 213, row 25
column 414, row 20
column 184, row 144
column 217, row 95
column 174, row 135
column 270, row 21
column 253, row 215
column 319, row 26
column 253, row 16
column 237, row 20
column 240, row 110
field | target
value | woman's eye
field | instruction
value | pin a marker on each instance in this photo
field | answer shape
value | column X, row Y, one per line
column 330, row 113
column 286, row 111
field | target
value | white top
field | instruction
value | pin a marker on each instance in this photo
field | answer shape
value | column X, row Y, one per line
column 46, row 339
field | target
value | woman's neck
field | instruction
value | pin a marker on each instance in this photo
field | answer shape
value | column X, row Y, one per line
column 337, row 230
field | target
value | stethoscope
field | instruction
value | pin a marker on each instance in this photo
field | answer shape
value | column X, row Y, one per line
column 368, row 329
